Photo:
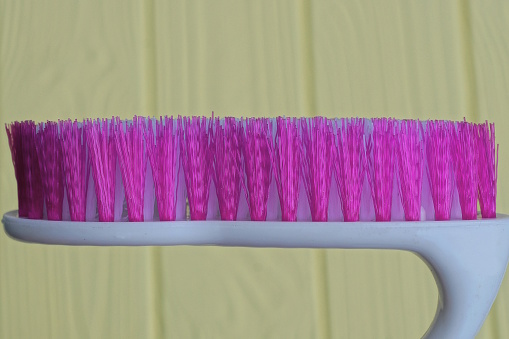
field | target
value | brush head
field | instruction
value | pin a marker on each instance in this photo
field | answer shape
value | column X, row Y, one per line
column 207, row 162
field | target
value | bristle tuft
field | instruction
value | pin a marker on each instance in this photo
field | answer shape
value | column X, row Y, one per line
column 317, row 164
column 439, row 169
column 488, row 169
column 74, row 167
column 132, row 159
column 227, row 167
column 163, row 154
column 350, row 165
column 103, row 158
column 49, row 149
column 409, row 150
column 257, row 148
column 380, row 156
column 287, row 159
column 196, row 146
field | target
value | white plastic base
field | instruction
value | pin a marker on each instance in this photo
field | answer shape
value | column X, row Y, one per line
column 467, row 258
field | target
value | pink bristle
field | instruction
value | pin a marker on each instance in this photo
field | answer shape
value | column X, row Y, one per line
column 15, row 138
column 74, row 167
column 49, row 149
column 287, row 159
column 34, row 189
column 317, row 164
column 227, row 167
column 103, row 158
column 488, row 169
column 409, row 150
column 196, row 146
column 350, row 166
column 439, row 169
column 257, row 151
column 380, row 159
column 464, row 153
column 133, row 164
column 22, row 142
column 163, row 154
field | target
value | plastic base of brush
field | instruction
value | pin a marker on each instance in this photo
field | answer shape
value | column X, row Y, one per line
column 468, row 258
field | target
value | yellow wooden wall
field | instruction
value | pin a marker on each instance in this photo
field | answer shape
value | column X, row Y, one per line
column 418, row 59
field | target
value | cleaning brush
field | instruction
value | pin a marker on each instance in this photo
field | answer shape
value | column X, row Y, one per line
column 285, row 169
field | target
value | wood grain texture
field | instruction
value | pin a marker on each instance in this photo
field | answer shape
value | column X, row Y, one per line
column 375, row 59
column 230, row 57
column 395, row 58
column 237, row 293
column 69, row 60
column 490, row 48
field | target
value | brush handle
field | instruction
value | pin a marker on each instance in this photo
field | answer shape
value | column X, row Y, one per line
column 468, row 259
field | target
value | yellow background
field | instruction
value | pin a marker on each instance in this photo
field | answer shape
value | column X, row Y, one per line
column 96, row 58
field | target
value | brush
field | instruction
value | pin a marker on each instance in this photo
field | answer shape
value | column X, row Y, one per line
column 111, row 170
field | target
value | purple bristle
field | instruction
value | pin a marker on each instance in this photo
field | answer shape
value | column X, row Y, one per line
column 317, row 141
column 163, row 154
column 49, row 149
column 15, row 138
column 227, row 173
column 439, row 169
column 257, row 150
column 103, row 158
column 380, row 160
column 409, row 151
column 132, row 159
column 22, row 142
column 287, row 159
column 350, row 166
column 488, row 169
column 196, row 146
column 74, row 167
column 464, row 153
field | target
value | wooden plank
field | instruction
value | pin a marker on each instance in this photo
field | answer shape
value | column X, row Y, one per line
column 241, row 59
column 487, row 30
column 69, row 60
column 394, row 58
column 381, row 59
column 234, row 58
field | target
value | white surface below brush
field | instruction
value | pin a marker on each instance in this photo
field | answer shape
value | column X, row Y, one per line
column 467, row 258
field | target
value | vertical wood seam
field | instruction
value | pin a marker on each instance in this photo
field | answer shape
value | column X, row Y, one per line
column 148, row 57
column 307, row 59
column 467, row 53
